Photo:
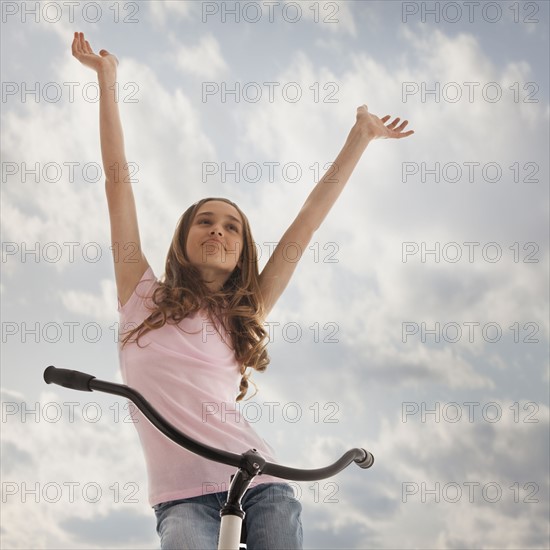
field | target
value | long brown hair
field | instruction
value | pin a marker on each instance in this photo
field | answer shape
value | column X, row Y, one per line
column 238, row 305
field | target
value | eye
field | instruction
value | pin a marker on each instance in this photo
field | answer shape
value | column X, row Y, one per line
column 204, row 220
column 233, row 227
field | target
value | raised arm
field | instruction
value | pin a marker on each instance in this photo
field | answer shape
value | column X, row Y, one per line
column 278, row 271
column 130, row 263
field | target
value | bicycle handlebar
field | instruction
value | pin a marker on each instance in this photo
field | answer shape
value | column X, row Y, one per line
column 68, row 378
column 85, row 382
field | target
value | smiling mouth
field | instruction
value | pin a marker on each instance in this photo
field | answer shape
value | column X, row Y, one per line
column 210, row 241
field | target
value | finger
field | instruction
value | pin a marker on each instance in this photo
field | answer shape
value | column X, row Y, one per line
column 392, row 124
column 78, row 41
column 84, row 44
column 405, row 134
column 384, row 119
column 77, row 44
column 75, row 41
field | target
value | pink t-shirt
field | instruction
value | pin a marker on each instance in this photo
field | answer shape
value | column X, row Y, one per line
column 189, row 373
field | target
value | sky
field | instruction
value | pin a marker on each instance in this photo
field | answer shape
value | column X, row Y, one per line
column 416, row 322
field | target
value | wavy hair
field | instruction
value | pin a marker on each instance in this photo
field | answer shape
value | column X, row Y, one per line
column 238, row 305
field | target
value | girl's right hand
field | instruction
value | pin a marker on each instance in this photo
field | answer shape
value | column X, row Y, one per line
column 84, row 53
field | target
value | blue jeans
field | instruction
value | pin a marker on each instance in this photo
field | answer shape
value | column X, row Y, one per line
column 272, row 520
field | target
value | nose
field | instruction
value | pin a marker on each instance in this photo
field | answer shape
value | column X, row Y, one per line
column 216, row 230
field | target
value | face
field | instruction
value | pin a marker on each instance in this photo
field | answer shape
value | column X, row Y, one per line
column 215, row 240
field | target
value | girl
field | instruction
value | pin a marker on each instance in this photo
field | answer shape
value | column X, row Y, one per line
column 192, row 335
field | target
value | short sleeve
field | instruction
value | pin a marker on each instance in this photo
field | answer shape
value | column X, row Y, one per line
column 139, row 305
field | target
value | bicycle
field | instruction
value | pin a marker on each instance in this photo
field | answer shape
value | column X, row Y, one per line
column 250, row 463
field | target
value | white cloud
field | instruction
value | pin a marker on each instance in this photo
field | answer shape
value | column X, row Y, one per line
column 163, row 11
column 204, row 60
column 471, row 462
column 58, row 210
column 73, row 458
column 334, row 16
column 376, row 214
column 368, row 293
column 91, row 305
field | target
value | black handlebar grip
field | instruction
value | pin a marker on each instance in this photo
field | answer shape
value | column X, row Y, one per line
column 68, row 378
column 368, row 461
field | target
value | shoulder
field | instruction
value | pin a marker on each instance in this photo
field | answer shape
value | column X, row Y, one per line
column 142, row 293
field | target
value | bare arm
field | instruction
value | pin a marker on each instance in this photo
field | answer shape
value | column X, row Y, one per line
column 278, row 271
column 130, row 263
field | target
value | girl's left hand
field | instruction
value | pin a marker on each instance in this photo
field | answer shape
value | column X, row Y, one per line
column 376, row 128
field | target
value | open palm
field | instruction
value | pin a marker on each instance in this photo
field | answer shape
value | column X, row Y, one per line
column 83, row 52
column 377, row 127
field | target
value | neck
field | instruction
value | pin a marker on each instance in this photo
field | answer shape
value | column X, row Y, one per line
column 214, row 279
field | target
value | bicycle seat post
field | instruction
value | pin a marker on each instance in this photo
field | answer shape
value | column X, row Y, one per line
column 232, row 513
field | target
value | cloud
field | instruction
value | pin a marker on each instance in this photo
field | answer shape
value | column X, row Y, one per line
column 55, row 209
column 362, row 299
column 119, row 527
column 334, row 17
column 204, row 60
column 71, row 463
column 370, row 291
column 376, row 214
column 89, row 304
column 498, row 477
column 165, row 11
